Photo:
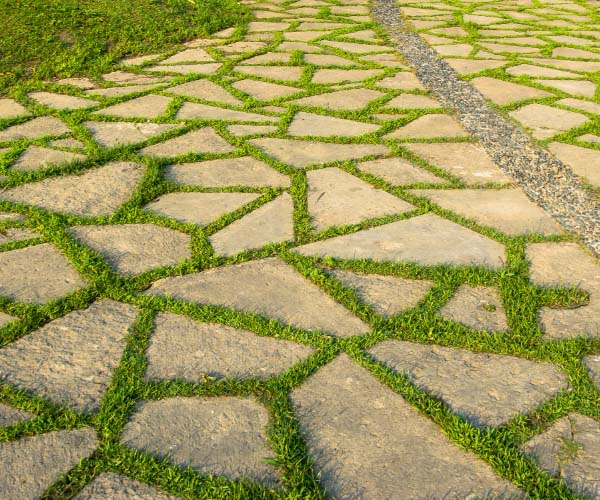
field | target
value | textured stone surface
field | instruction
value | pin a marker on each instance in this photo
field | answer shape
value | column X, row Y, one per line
column 575, row 87
column 401, row 81
column 269, row 287
column 245, row 130
column 222, row 436
column 546, row 121
column 582, row 161
column 20, row 272
column 412, row 101
column 189, row 55
column 205, row 89
column 351, row 423
column 121, row 91
column 188, row 69
column 501, row 92
column 479, row 308
column 592, row 363
column 344, row 75
column 283, row 73
column 11, row 416
column 31, row 464
column 109, row 486
column 181, row 348
column 352, row 99
column 264, row 91
column 94, row 192
column 148, row 106
column 5, row 319
column 71, row 359
column 429, row 126
column 398, row 171
column 16, row 234
column 62, row 101
column 36, row 157
column 204, row 140
column 9, row 108
column 32, row 129
column 193, row 111
column 309, row 124
column 111, row 134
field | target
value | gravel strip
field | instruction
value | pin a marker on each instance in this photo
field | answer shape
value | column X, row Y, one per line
column 548, row 182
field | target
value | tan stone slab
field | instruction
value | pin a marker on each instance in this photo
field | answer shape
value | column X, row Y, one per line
column 480, row 20
column 268, row 287
column 582, row 161
column 351, row 424
column 269, row 58
column 388, row 60
column 413, row 101
column 148, row 106
column 467, row 66
column 32, row 129
column 8, row 216
column 31, row 464
column 398, row 172
column 11, row 416
column 566, row 64
column 479, row 308
column 576, row 87
column 139, row 60
column 501, row 92
column 187, row 69
column 355, row 48
column 592, row 363
column 590, row 107
column 267, row 26
column 205, row 89
column 458, row 49
column 246, row 130
column 327, row 60
column 574, row 53
column 546, row 121
column 5, row 319
column 61, row 101
column 195, row 55
column 80, row 83
column 11, row 234
column 486, row 389
column 128, row 78
column 401, row 81
column 283, row 73
column 309, row 25
column 539, row 72
column 121, row 91
column 243, row 46
column 9, row 108
column 429, row 126
column 349, row 10
column 264, row 91
column 69, row 142
column 344, row 75
column 203, row 140
column 193, row 110
column 95, row 192
column 71, row 359
column 309, row 124
column 113, row 134
column 453, row 31
column 589, row 138
column 37, row 158
column 110, row 486
column 304, row 36
column 513, row 49
column 307, row 48
column 352, row 99
column 426, row 240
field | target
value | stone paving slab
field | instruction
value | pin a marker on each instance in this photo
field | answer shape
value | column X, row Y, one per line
column 109, row 486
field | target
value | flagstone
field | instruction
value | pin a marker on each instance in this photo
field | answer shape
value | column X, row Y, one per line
column 304, row 36
column 352, row 99
column 127, row 78
column 572, row 40
column 12, row 416
column 459, row 49
column 268, row 287
column 298, row 153
column 367, row 35
column 413, row 101
column 389, row 60
column 592, row 364
column 80, row 83
column 452, row 31
column 350, row 422
column 122, row 91
column 309, row 124
column 328, row 60
column 574, row 53
column 195, row 55
column 110, row 486
column 480, row 20
column 582, row 161
column 466, row 66
column 582, row 66
column 32, row 129
column 320, row 25
column 576, row 87
column 267, row 26
column 354, row 48
column 307, row 48
column 344, row 75
column 486, row 389
column 271, row 223
column 268, row 58
column 401, row 81
column 95, row 192
column 226, row 33
column 501, row 92
column 62, row 101
column 187, row 69
column 349, row 9
column 283, row 73
column 539, row 72
column 5, row 319
column 589, row 138
column 244, row 171
column 148, row 106
column 590, row 107
column 36, row 158
column 71, row 360
column 11, row 234
column 194, row 110
column 203, row 140
column 205, row 89
column 112, row 134
column 9, row 108
column 139, row 60
column 69, row 142
column 245, row 130
column 264, row 91
column 546, row 121
column 31, row 464
column 479, row 308
column 429, row 126
column 398, row 171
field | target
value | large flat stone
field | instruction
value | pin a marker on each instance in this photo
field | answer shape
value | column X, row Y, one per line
column 62, row 101
column 501, row 92
column 413, row 101
column 187, row 69
column 355, row 48
column 112, row 134
column 401, row 81
column 11, row 234
column 36, row 158
column 352, row 99
column 37, row 127
column 194, row 110
column 539, row 72
column 309, row 124
column 204, row 140
column 148, row 106
column 283, row 73
column 205, row 89
column 582, row 161
column 264, row 91
column 9, row 108
column 195, row 55
column 398, row 171
column 11, row 416
column 479, row 308
column 467, row 66
column 575, row 87
column 429, row 127
column 268, row 287
column 592, row 363
column 327, row 60
column 110, row 486
column 121, row 91
column 128, row 78
column 344, row 75
column 546, row 121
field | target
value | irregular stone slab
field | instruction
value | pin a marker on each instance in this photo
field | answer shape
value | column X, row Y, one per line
column 507, row 210
column 205, row 89
column 268, row 58
column 412, row 101
column 37, row 127
column 304, row 36
column 338, row 198
column 187, row 69
column 80, row 83
column 183, row 349
column 387, row 295
column 355, row 48
column 36, row 158
column 576, row 87
column 139, row 60
column 350, row 422
column 582, row 161
column 69, row 142
column 391, row 60
column 203, row 140
column 95, row 192
column 121, row 91
column 399, row 172
column 11, row 416
column 271, row 223
column 327, row 59
column 344, row 75
column 467, row 161
column 112, row 134
column 71, row 360
column 426, row 240
column 486, row 389
column 501, row 92
column 479, row 308
column 429, row 126
column 5, row 319
column 109, row 486
column 590, row 107
column 244, row 171
column 148, row 106
column 128, row 78
column 199, row 208
column 566, row 265
column 306, row 48
column 304, row 153
column 17, row 234
column 20, row 272
column 243, row 46
column 401, row 81
column 31, row 464
column 195, row 55
column 546, row 121
column 62, row 101
column 592, row 363
column 539, row 72
column 353, row 99
column 574, row 53
column 309, row 124
column 264, row 91
column 224, row 436
column 570, row 451
column 245, row 130
column 9, row 108
column 467, row 66
column 283, row 73
column 268, row 287
column 193, row 110
column 589, row 138
column 267, row 26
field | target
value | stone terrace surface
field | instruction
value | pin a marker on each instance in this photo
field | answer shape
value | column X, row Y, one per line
column 271, row 264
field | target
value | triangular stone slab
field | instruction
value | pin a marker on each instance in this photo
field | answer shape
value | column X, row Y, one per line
column 148, row 106
column 187, row 69
column 9, row 108
column 487, row 389
column 283, row 73
column 194, row 110
column 36, row 158
column 268, row 287
column 112, row 134
column 190, row 55
column 305, row 124
column 328, row 60
column 38, row 127
column 352, row 99
column 398, row 171
column 204, row 140
column 62, row 101
column 479, row 308
column 344, row 75
column 71, row 359
column 271, row 223
column 338, row 198
column 205, row 89
column 426, row 240
column 304, row 153
column 429, row 127
column 11, row 416
column 109, row 486
column 121, row 91
column 264, row 91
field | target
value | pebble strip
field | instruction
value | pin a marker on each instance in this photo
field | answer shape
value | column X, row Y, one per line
column 544, row 178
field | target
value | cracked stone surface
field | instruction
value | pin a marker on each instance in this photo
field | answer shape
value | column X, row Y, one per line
column 11, row 416
column 479, row 308
column 204, row 140
column 36, row 158
column 112, row 134
column 110, row 486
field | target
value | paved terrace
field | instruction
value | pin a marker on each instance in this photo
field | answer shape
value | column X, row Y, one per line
column 308, row 259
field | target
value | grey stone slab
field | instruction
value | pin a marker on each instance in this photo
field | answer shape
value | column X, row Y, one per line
column 32, row 129
column 246, row 130
column 269, row 58
column 429, row 127
column 95, row 192
column 337, row 198
column 582, row 161
column 264, row 91
column 187, row 69
column 426, row 240
column 203, row 140
column 9, row 108
column 69, row 142
column 5, row 319
column 71, row 359
column 352, row 99
column 112, row 134
column 539, row 72
column 401, row 81
column 199, row 208
column 129, row 78
column 309, row 124
column 192, row 55
column 590, row 107
column 62, row 101
column 181, row 348
column 31, row 464
column 110, row 486
column 479, row 308
column 592, row 363
column 11, row 416
column 413, row 101
column 37, row 158
column 148, row 106
column 467, row 66
column 244, row 171
column 501, row 92
column 194, row 110
column 20, row 272
column 224, row 436
column 297, row 153
column 205, row 89
column 582, row 88
column 486, row 389
column 17, row 234
column 271, row 223
column 327, row 60
column 121, row 91
column 570, row 451
column 546, row 121
column 367, row 442
column 398, row 171
column 268, row 287
column 283, row 73
column 323, row 75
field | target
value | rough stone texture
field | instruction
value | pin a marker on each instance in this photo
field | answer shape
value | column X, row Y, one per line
column 111, row 134
column 271, row 223
column 193, row 110
column 583, row 161
column 181, row 348
column 199, row 208
column 189, row 55
column 353, row 99
column 268, row 287
column 592, row 363
column 148, row 106
column 398, row 171
column 501, row 92
column 486, row 389
column 69, row 142
column 467, row 66
column 351, row 424
column 244, row 171
column 204, row 140
column 264, row 91
column 570, row 451
column 327, row 60
column 11, row 416
column 95, row 192
column 62, row 101
column 401, row 81
column 429, row 126
column 268, row 58
column 297, row 153
column 575, row 87
column 507, row 210
column 127, row 78
column 20, row 272
column 109, row 486
column 17, row 234
column 283, row 73
column 36, row 158
column 9, row 108
column 355, row 48
column 187, row 69
column 337, row 198
column 412, row 101
column 590, row 107
column 426, row 239
column 309, row 124
column 37, row 127
column 205, row 89
column 387, row 295
column 566, row 265
column 245, row 130
column 479, row 308
column 539, row 72
column 32, row 464
column 5, row 319
column 343, row 75
column 546, row 121
column 218, row 435
column 121, row 91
